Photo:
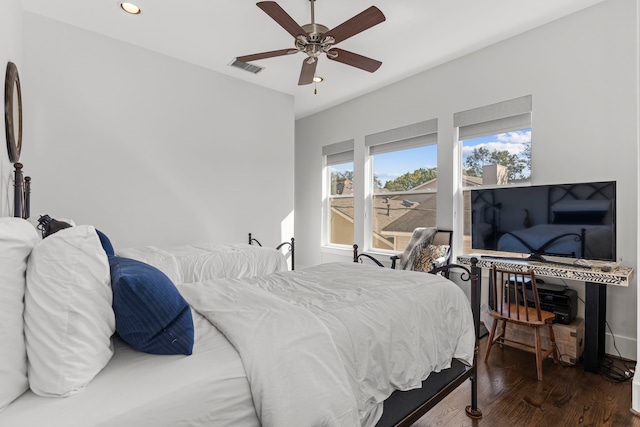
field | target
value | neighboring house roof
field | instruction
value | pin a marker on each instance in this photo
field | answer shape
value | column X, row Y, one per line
column 392, row 216
column 471, row 181
column 424, row 213
column 344, row 205
column 419, row 215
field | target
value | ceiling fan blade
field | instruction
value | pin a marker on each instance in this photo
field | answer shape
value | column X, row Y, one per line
column 278, row 14
column 307, row 72
column 264, row 55
column 357, row 24
column 355, row 60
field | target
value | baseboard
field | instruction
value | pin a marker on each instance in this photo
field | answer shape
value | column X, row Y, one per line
column 635, row 395
column 483, row 330
column 627, row 346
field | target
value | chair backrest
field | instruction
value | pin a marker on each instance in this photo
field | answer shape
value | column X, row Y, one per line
column 439, row 255
column 514, row 292
column 436, row 254
column 444, row 237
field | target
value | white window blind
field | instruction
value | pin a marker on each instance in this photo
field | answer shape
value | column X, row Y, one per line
column 402, row 138
column 506, row 116
column 341, row 152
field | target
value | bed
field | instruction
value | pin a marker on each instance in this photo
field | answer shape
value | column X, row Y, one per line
column 334, row 344
column 196, row 262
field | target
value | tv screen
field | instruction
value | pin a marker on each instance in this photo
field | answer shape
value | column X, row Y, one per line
column 566, row 220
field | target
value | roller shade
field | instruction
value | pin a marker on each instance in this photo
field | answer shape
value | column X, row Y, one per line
column 336, row 154
column 492, row 119
column 402, row 138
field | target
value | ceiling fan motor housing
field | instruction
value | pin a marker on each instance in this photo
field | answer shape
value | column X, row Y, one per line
column 314, row 43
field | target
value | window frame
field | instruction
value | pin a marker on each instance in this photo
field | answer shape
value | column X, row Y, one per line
column 502, row 117
column 420, row 134
column 334, row 154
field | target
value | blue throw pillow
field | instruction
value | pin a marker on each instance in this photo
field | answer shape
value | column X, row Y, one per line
column 106, row 243
column 151, row 315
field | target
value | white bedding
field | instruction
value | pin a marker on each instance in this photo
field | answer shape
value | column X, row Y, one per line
column 387, row 329
column 598, row 238
column 192, row 263
column 374, row 334
column 144, row 390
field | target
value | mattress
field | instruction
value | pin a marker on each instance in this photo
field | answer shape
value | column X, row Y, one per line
column 142, row 390
column 192, row 263
column 334, row 340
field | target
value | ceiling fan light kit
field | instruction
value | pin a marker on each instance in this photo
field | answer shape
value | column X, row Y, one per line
column 316, row 39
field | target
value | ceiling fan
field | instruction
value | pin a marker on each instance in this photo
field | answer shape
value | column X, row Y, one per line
column 315, row 39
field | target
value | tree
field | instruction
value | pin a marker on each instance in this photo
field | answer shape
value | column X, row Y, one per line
column 527, row 156
column 411, row 179
column 515, row 164
column 339, row 177
column 338, row 181
column 476, row 160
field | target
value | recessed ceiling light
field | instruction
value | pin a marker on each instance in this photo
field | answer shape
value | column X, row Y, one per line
column 130, row 8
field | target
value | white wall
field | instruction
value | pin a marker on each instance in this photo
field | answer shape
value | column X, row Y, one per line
column 149, row 149
column 580, row 70
column 10, row 50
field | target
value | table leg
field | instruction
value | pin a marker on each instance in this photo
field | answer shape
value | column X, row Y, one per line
column 594, row 325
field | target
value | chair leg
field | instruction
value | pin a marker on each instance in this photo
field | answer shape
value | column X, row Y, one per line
column 490, row 341
column 538, row 348
column 552, row 343
column 503, row 334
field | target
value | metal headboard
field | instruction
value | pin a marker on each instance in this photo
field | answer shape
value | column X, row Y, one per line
column 22, row 193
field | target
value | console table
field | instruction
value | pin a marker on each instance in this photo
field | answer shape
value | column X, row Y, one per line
column 596, row 279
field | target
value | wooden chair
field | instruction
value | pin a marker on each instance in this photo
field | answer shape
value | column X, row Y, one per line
column 516, row 300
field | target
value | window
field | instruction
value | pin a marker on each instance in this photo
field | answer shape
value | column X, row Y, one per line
column 403, row 183
column 339, row 195
column 495, row 146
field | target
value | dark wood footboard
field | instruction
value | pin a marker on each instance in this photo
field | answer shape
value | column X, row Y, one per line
column 290, row 245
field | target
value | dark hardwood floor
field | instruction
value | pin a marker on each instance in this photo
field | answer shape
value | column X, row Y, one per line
column 509, row 395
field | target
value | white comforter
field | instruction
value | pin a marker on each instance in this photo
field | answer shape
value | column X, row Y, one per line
column 192, row 263
column 326, row 345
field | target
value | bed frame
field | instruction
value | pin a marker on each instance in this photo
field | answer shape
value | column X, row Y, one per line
column 291, row 246
column 22, row 193
column 403, row 408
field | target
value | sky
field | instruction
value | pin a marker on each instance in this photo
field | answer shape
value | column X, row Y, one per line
column 389, row 166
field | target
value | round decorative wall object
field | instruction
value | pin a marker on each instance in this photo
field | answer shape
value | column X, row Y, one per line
column 13, row 112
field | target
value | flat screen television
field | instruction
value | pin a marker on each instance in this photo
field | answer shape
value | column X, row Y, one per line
column 563, row 220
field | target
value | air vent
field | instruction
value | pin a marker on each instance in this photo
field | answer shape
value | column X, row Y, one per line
column 245, row 66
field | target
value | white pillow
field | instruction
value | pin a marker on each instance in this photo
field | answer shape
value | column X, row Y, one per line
column 68, row 316
column 17, row 238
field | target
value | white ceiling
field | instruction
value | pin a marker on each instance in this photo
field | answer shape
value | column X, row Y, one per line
column 417, row 35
